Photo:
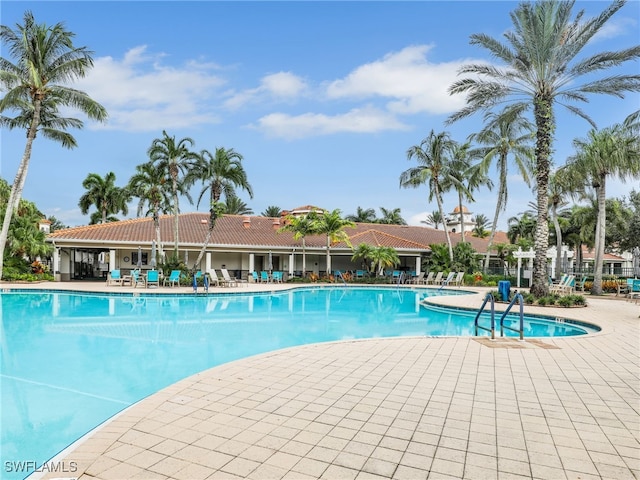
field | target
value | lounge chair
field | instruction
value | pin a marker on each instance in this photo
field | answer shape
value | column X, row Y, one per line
column 114, row 278
column 255, row 277
column 360, row 273
column 138, row 278
column 428, row 279
column 153, row 278
column 264, row 277
column 449, row 279
column 437, row 280
column 173, row 279
column 214, row 280
column 580, row 284
column 565, row 287
column 228, row 279
column 458, row 280
column 417, row 280
column 277, row 277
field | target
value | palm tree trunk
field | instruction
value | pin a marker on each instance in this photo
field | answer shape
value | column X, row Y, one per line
column 556, row 226
column 544, row 122
column 502, row 194
column 304, row 258
column 596, row 289
column 446, row 231
column 328, row 256
column 461, row 216
column 18, row 182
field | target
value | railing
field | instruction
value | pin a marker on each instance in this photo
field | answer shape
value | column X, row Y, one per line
column 492, row 330
column 400, row 278
column 518, row 296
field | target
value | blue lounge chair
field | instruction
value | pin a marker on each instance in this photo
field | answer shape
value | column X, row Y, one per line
column 114, row 278
column 138, row 278
column 264, row 277
column 153, row 278
column 254, row 275
column 173, row 278
column 276, row 277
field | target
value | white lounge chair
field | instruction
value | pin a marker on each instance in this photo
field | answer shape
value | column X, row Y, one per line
column 228, row 279
column 437, row 280
column 449, row 278
column 458, row 280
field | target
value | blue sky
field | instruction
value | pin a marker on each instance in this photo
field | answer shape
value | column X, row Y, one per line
column 322, row 99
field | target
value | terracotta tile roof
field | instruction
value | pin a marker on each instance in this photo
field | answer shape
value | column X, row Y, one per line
column 590, row 254
column 253, row 231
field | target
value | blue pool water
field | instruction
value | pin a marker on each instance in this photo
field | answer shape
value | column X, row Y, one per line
column 72, row 360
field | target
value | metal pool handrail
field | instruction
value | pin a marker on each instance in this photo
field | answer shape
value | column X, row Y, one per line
column 488, row 297
column 518, row 296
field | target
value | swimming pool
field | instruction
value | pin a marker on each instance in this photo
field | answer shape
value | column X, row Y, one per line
column 72, row 360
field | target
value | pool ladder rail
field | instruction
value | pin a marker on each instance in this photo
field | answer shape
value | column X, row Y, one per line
column 492, row 329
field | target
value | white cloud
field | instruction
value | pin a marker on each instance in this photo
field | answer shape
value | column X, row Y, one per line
column 141, row 93
column 406, row 77
column 279, row 86
column 358, row 120
column 615, row 27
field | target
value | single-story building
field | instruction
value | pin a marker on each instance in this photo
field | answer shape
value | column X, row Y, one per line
column 239, row 243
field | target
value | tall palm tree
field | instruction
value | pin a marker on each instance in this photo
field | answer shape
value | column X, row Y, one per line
column 301, row 226
column 147, row 183
column 363, row 215
column 542, row 68
column 391, row 217
column 233, row 205
column 502, row 136
column 522, row 227
column 481, row 222
column 35, row 87
column 613, row 151
column 465, row 178
column 174, row 159
column 434, row 218
column 272, row 211
column 332, row 225
column 434, row 157
column 220, row 174
column 105, row 195
column 560, row 186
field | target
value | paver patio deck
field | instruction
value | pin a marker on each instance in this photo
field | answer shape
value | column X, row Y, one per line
column 402, row 408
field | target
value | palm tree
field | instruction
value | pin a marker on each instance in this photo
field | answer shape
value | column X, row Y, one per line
column 148, row 185
column 332, row 225
column 301, row 226
column 465, row 178
column 522, row 228
column 383, row 257
column 220, row 174
column 542, row 69
column 610, row 151
column 233, row 205
column 174, row 159
column 363, row 252
column 272, row 211
column 504, row 135
column 480, row 230
column 434, row 159
column 391, row 217
column 103, row 193
column 559, row 188
column 363, row 215
column 35, row 87
column 434, row 218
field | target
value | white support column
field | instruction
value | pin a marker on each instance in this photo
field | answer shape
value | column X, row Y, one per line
column 252, row 263
column 292, row 262
column 207, row 261
column 56, row 260
column 112, row 260
column 418, row 265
